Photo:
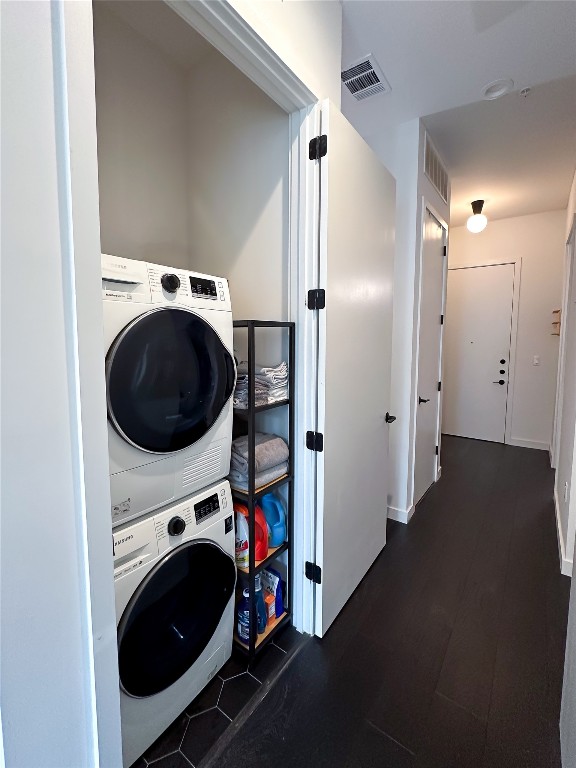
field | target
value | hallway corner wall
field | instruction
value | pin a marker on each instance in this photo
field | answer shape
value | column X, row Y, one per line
column 403, row 154
column 538, row 240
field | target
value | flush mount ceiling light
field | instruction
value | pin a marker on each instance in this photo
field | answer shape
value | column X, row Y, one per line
column 497, row 89
column 477, row 222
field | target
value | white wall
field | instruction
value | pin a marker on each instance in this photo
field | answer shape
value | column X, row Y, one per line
column 568, row 712
column 238, row 155
column 142, row 116
column 59, row 683
column 539, row 240
column 306, row 34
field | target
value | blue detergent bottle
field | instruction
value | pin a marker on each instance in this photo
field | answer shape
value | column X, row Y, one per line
column 243, row 616
column 261, row 617
column 275, row 515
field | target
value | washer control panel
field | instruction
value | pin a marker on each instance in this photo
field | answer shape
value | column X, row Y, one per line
column 137, row 543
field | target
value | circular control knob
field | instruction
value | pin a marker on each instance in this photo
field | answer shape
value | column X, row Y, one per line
column 170, row 283
column 176, row 526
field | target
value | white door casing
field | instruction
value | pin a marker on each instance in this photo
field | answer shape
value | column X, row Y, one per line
column 357, row 212
column 429, row 355
column 478, row 332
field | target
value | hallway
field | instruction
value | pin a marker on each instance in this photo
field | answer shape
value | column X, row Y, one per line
column 450, row 653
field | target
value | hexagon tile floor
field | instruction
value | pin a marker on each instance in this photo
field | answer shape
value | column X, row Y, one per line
column 192, row 735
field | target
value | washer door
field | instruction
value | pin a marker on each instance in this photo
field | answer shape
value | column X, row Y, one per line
column 168, row 377
column 172, row 616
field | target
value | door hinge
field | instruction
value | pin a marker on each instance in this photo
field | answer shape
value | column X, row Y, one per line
column 439, row 386
column 316, row 298
column 315, row 441
column 318, row 147
column 444, row 251
column 441, row 319
column 436, row 450
column 313, row 572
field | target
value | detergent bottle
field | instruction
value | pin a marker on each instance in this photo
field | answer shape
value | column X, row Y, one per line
column 243, row 615
column 261, row 613
column 242, row 533
column 275, row 515
column 260, row 529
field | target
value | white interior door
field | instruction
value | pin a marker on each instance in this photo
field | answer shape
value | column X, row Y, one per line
column 429, row 362
column 477, row 358
column 357, row 205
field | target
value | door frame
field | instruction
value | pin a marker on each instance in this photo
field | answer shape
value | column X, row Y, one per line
column 569, row 259
column 229, row 33
column 516, row 262
column 427, row 206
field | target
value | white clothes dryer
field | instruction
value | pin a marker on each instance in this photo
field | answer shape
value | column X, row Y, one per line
column 175, row 575
column 170, row 377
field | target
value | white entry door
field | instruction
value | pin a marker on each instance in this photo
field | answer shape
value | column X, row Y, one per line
column 429, row 362
column 357, row 213
column 477, row 351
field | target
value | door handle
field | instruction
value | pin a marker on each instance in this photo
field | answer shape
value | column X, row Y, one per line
column 423, row 400
column 500, row 381
column 389, row 419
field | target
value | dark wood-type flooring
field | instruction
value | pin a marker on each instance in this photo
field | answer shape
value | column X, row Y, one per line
column 450, row 652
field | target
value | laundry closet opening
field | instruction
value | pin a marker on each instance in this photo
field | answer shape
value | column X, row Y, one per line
column 194, row 174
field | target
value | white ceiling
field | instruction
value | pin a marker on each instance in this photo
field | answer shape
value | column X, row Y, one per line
column 518, row 154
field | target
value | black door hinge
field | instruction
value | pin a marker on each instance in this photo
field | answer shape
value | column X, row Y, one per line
column 318, row 147
column 316, row 298
column 315, row 441
column 441, row 319
column 436, row 450
column 444, row 251
column 439, row 386
column 313, row 572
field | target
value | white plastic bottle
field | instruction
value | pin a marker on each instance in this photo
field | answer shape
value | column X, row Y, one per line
column 242, row 534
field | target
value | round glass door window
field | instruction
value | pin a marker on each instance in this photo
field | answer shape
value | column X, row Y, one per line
column 172, row 616
column 168, row 377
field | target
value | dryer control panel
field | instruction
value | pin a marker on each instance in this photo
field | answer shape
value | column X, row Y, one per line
column 143, row 282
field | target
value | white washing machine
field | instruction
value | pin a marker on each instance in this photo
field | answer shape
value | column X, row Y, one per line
column 170, row 377
column 175, row 575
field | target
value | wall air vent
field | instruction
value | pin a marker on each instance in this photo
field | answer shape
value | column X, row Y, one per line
column 434, row 169
column 364, row 78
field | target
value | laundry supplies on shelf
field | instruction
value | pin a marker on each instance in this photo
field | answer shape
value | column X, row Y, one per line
column 262, row 535
column 270, row 385
column 260, row 464
column 275, row 515
column 270, row 460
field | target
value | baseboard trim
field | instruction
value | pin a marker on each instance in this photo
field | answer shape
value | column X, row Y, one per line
column 400, row 515
column 537, row 444
column 565, row 564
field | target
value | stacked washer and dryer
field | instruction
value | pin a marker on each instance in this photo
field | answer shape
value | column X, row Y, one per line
column 170, row 377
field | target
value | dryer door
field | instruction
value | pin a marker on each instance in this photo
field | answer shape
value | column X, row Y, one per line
column 172, row 616
column 168, row 377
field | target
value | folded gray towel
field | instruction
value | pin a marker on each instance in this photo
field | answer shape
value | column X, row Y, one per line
column 240, row 481
column 270, row 451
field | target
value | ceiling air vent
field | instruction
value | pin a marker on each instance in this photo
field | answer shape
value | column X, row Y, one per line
column 434, row 169
column 364, row 78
